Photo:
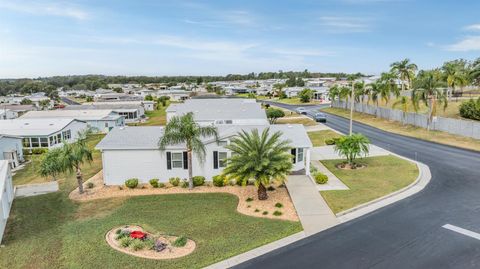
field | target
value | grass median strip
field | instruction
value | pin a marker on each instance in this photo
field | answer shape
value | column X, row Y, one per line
column 383, row 175
column 409, row 130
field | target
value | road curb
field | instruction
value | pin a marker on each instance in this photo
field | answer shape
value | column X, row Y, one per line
column 419, row 184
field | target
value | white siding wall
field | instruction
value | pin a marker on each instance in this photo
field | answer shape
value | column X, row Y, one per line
column 8, row 144
column 6, row 195
column 119, row 165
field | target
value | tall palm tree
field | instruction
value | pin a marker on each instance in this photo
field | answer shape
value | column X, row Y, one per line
column 389, row 85
column 405, row 71
column 374, row 92
column 333, row 93
column 404, row 104
column 262, row 157
column 455, row 75
column 75, row 154
column 184, row 130
column 344, row 93
column 474, row 73
column 430, row 94
column 360, row 92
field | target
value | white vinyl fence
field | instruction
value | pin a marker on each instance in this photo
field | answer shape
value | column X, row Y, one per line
column 465, row 128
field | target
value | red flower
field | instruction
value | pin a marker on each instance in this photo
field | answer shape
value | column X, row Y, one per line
column 138, row 234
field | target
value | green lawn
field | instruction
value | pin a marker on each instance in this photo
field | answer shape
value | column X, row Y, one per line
column 29, row 174
column 296, row 120
column 52, row 231
column 295, row 101
column 382, row 176
column 318, row 137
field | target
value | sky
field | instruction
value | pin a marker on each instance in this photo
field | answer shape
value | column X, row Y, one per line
column 177, row 37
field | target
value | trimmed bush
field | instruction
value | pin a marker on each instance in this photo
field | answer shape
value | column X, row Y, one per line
column 470, row 109
column 131, row 183
column 161, row 185
column 329, row 142
column 320, row 178
column 219, row 181
column 154, row 182
column 174, row 181
column 184, row 183
column 277, row 213
column 249, row 199
column 198, row 180
column 265, row 213
column 35, row 151
column 279, row 205
column 257, row 210
column 180, row 241
column 90, row 185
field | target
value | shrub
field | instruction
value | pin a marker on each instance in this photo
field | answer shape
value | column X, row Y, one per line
column 313, row 169
column 279, row 205
column 149, row 243
column 90, row 185
column 137, row 244
column 154, row 182
column 329, row 142
column 180, row 241
column 265, row 213
column 270, row 188
column 257, row 210
column 184, row 183
column 232, row 182
column 249, row 199
column 122, row 234
column 36, row 151
column 320, row 178
column 125, row 241
column 161, row 185
column 174, row 181
column 219, row 181
column 198, row 180
column 118, row 231
column 470, row 109
column 277, row 213
column 131, row 183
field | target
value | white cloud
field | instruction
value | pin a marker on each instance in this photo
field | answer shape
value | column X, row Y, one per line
column 472, row 27
column 345, row 24
column 469, row 43
column 59, row 9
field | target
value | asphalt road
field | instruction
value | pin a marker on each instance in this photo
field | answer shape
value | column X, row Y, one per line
column 406, row 234
column 69, row 101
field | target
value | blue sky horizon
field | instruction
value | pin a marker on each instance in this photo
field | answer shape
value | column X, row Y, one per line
column 211, row 37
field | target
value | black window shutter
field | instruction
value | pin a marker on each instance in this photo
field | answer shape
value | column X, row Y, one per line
column 185, row 160
column 294, row 155
column 169, row 160
column 215, row 160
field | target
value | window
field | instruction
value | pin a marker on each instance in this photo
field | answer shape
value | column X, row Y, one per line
column 222, row 159
column 300, row 155
column 26, row 142
column 177, row 160
column 44, row 142
column 35, row 142
column 106, row 124
column 67, row 135
column 228, row 121
column 52, row 140
column 59, row 137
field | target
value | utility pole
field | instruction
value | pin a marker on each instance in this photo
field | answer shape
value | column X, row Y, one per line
column 352, row 104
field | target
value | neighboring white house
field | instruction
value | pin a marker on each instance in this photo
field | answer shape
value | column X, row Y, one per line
column 147, row 105
column 102, row 120
column 131, row 111
column 6, row 195
column 42, row 133
column 132, row 152
column 221, row 111
column 11, row 150
column 174, row 95
column 7, row 114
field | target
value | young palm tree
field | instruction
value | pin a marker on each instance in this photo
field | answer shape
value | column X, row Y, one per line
column 403, row 102
column 430, row 94
column 351, row 147
column 75, row 154
column 51, row 164
column 262, row 157
column 455, row 75
column 405, row 71
column 184, row 129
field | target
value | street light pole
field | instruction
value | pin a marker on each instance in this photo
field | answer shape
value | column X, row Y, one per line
column 352, row 104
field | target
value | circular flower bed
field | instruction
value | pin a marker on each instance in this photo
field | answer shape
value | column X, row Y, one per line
column 346, row 166
column 135, row 241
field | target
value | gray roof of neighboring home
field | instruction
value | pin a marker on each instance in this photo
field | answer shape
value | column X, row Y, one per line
column 85, row 115
column 220, row 109
column 33, row 127
column 103, row 106
column 147, row 137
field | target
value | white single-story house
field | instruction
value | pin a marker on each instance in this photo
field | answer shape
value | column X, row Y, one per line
column 147, row 105
column 174, row 95
column 19, row 109
column 7, row 114
column 6, row 195
column 11, row 150
column 43, row 133
column 132, row 152
column 131, row 112
column 102, row 120
column 220, row 111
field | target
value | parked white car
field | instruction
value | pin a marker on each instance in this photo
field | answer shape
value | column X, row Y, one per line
column 301, row 110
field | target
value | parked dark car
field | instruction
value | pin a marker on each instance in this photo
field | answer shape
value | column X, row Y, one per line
column 320, row 117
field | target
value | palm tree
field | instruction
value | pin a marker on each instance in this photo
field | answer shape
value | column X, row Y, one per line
column 184, row 130
column 475, row 71
column 403, row 102
column 344, row 93
column 262, row 157
column 333, row 93
column 430, row 94
column 455, row 75
column 51, row 164
column 374, row 93
column 389, row 86
column 360, row 92
column 405, row 71
column 351, row 147
column 75, row 154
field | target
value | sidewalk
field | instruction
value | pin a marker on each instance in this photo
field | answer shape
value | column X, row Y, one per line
column 313, row 211
column 333, row 183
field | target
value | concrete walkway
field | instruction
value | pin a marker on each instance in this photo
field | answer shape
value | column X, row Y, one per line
column 333, row 183
column 313, row 211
